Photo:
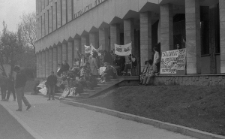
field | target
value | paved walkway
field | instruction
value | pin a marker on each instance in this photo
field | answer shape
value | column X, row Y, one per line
column 54, row 120
column 12, row 129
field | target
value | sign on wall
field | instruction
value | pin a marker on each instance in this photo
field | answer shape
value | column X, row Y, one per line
column 123, row 50
column 173, row 61
column 83, row 7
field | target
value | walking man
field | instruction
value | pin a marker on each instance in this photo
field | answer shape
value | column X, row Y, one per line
column 51, row 84
column 19, row 86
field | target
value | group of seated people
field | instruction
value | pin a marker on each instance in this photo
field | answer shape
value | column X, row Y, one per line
column 82, row 74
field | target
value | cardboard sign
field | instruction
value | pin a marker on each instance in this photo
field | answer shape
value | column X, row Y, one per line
column 173, row 61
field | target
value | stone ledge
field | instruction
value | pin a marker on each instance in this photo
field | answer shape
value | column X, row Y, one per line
column 162, row 125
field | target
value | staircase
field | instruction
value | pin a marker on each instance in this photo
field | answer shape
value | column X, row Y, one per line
column 100, row 89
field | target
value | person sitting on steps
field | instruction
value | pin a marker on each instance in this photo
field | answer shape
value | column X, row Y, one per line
column 149, row 73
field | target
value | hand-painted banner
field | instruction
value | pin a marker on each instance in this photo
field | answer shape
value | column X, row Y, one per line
column 172, row 61
column 89, row 49
column 123, row 50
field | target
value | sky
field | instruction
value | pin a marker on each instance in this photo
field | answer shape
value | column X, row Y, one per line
column 12, row 10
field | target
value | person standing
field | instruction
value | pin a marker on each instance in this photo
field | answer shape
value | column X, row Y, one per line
column 19, row 86
column 10, row 87
column 156, row 61
column 51, row 82
column 3, row 80
column 94, row 68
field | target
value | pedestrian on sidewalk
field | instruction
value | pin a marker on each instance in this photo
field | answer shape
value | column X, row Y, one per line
column 19, row 86
column 51, row 85
column 3, row 85
column 10, row 87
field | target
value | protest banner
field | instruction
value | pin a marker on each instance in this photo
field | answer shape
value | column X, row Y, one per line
column 123, row 50
column 173, row 61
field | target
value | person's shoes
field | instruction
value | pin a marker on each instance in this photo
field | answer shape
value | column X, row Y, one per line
column 28, row 107
column 48, row 99
column 19, row 110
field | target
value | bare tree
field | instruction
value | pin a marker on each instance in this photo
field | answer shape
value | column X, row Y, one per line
column 28, row 29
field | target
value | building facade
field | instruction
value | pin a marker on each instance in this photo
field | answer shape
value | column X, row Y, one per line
column 65, row 26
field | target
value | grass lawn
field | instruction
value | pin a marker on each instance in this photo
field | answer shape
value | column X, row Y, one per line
column 197, row 107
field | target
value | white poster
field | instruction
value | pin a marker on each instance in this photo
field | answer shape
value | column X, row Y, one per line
column 123, row 50
column 172, row 61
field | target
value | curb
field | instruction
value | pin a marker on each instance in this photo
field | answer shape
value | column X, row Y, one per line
column 162, row 125
column 26, row 127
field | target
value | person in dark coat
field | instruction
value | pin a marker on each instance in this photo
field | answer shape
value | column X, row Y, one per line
column 20, row 83
column 10, row 87
column 3, row 83
column 51, row 85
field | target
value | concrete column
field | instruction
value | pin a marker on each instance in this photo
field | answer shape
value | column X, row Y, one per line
column 43, row 64
column 47, row 63
column 104, row 39
column 46, row 23
column 145, row 37
column 59, row 48
column 93, row 39
column 77, row 46
column 50, row 60
column 129, row 33
column 40, row 68
column 50, row 19
column 222, row 35
column 55, row 63
column 69, row 10
column 64, row 16
column 37, row 64
column 70, row 53
column 83, row 42
column 64, row 51
column 59, row 22
column 54, row 15
column 193, row 43
column 166, row 31
column 114, row 35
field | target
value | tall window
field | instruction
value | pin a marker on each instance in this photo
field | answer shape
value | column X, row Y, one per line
column 72, row 6
column 41, row 26
column 66, row 11
column 204, row 28
column 61, row 10
column 52, row 16
column 44, row 25
column 48, row 21
column 56, row 19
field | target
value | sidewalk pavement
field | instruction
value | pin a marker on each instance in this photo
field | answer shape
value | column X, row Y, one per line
column 55, row 120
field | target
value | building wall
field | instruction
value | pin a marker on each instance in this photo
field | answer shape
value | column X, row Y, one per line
column 93, row 18
column 63, row 21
